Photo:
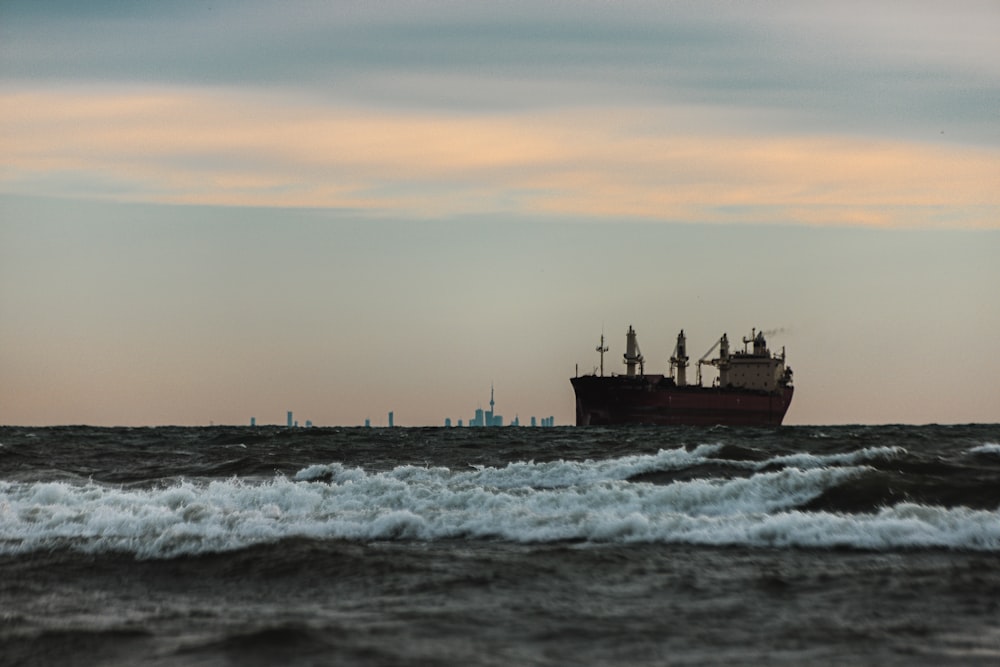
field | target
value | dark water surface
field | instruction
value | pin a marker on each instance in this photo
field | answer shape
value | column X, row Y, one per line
column 218, row 546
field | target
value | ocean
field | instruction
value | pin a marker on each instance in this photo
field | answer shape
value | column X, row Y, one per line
column 833, row 545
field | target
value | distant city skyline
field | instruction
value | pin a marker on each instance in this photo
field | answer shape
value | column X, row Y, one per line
column 482, row 418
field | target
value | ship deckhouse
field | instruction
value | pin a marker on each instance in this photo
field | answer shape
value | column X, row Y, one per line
column 759, row 369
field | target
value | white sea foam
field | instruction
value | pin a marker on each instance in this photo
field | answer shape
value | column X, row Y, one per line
column 987, row 448
column 525, row 502
column 806, row 461
column 553, row 474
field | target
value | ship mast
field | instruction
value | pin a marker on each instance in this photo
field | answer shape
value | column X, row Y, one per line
column 602, row 348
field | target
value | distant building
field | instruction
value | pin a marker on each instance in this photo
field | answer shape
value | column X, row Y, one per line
column 487, row 417
column 253, row 421
column 491, row 418
column 447, row 422
column 368, row 423
column 390, row 419
column 290, row 419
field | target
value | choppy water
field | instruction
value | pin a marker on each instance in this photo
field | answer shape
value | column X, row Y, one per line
column 820, row 545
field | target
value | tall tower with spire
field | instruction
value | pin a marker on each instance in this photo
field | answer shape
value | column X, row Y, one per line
column 487, row 417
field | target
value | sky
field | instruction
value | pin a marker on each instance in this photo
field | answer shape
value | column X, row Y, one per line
column 217, row 211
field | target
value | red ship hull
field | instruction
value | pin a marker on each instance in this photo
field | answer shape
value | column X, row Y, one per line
column 655, row 400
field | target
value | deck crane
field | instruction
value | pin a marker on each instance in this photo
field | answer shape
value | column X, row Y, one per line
column 679, row 360
column 710, row 362
column 632, row 354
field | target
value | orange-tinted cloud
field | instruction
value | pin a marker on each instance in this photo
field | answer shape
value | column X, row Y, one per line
column 227, row 148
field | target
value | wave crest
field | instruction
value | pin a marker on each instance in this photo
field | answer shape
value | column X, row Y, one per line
column 521, row 502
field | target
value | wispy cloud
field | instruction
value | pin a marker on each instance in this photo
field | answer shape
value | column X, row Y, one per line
column 898, row 68
column 709, row 111
column 235, row 148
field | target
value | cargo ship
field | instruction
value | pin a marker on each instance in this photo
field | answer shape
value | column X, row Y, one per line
column 753, row 388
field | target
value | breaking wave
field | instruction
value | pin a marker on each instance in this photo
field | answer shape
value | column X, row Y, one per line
column 991, row 448
column 802, row 460
column 590, row 501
